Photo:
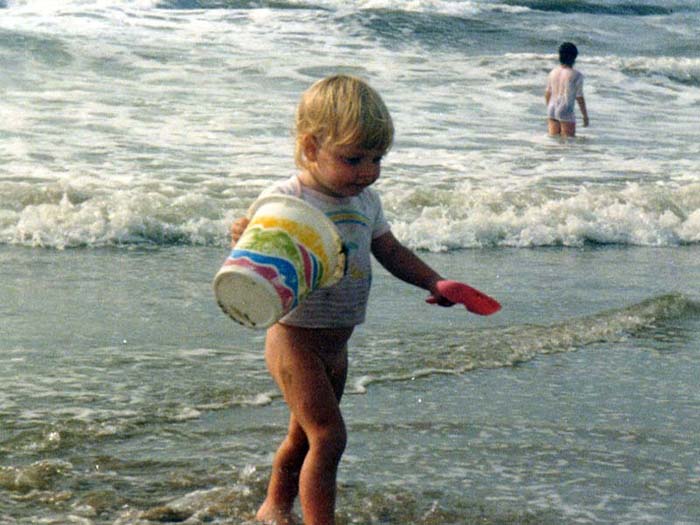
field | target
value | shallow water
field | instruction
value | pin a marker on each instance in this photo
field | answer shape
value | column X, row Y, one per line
column 128, row 394
column 132, row 122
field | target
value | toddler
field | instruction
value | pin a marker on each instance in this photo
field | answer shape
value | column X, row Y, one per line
column 343, row 130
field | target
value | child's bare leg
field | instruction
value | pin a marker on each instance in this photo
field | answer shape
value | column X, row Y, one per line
column 568, row 129
column 284, row 479
column 553, row 127
column 310, row 367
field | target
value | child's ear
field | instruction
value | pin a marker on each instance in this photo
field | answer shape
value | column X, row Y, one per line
column 311, row 147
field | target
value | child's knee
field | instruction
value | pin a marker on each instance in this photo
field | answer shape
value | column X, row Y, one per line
column 332, row 440
column 296, row 444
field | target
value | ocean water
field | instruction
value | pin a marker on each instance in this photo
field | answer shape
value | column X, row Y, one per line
column 133, row 131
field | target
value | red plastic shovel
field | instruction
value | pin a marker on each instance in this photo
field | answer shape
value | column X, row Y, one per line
column 473, row 300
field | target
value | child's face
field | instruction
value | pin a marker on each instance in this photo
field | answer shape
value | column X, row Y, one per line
column 341, row 171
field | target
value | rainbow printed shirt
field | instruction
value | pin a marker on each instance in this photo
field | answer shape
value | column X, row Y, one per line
column 359, row 219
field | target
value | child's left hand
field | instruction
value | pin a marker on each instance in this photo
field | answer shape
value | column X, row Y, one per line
column 450, row 292
column 437, row 298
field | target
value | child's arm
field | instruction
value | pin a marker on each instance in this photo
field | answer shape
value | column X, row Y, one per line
column 237, row 228
column 582, row 106
column 406, row 265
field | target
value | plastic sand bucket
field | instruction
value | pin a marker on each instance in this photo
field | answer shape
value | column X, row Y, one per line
column 288, row 249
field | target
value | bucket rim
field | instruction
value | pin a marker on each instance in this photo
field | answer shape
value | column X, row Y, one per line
column 297, row 201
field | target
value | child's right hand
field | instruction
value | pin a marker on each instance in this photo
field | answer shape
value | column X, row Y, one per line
column 237, row 228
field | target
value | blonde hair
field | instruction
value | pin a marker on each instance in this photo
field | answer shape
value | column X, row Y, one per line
column 342, row 110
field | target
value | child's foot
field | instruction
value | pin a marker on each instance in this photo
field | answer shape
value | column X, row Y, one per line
column 274, row 516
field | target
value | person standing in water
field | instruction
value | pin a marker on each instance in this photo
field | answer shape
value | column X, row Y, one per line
column 343, row 131
column 564, row 88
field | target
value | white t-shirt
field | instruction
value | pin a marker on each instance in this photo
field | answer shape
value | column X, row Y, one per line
column 564, row 84
column 359, row 220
